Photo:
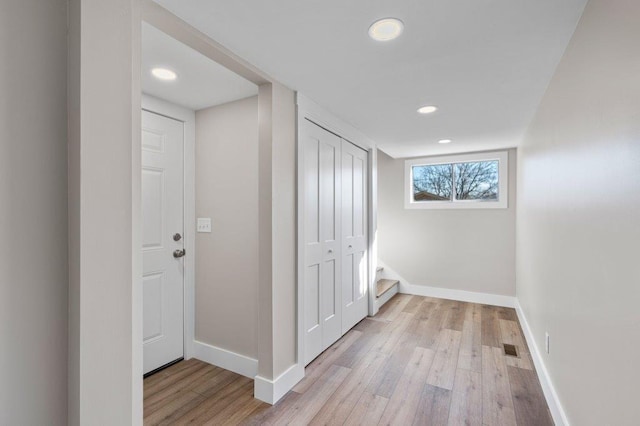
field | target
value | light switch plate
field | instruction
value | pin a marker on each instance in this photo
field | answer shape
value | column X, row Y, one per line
column 204, row 224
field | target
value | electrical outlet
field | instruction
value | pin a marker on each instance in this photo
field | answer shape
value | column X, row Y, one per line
column 546, row 342
column 204, row 224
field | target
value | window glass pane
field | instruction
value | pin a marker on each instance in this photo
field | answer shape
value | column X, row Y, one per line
column 432, row 183
column 477, row 181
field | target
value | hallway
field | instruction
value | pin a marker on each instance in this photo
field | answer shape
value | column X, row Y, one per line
column 419, row 361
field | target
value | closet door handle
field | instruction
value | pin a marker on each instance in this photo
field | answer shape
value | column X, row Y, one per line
column 330, row 251
column 350, row 246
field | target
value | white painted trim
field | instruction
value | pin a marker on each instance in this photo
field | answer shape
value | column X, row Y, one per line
column 387, row 296
column 300, row 244
column 550, row 394
column 447, row 293
column 460, row 295
column 323, row 118
column 188, row 117
column 373, row 230
column 503, row 181
column 270, row 391
column 223, row 358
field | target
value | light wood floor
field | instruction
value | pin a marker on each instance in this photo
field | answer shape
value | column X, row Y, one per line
column 420, row 361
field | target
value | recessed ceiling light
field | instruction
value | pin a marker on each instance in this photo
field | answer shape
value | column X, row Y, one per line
column 164, row 74
column 428, row 109
column 386, row 29
column 445, row 141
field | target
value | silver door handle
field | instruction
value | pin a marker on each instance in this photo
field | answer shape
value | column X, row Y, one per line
column 350, row 246
column 179, row 253
column 330, row 251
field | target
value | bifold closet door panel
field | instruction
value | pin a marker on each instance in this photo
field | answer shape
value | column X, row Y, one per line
column 354, row 235
column 321, row 208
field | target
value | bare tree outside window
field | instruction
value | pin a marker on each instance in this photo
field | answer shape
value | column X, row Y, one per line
column 432, row 183
column 477, row 181
column 471, row 180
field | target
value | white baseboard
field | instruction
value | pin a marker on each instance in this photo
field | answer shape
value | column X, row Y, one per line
column 459, row 295
column 447, row 293
column 550, row 394
column 270, row 391
column 223, row 358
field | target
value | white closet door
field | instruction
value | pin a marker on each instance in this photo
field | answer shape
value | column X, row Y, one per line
column 321, row 286
column 354, row 235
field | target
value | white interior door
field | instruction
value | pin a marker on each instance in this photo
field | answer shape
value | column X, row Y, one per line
column 321, row 286
column 354, row 235
column 162, row 223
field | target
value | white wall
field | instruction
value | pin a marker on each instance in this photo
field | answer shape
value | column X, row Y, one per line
column 579, row 219
column 461, row 249
column 33, row 213
column 105, row 291
column 227, row 258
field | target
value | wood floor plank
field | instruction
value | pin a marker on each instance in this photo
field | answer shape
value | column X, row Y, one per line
column 523, row 361
column 433, row 409
column 367, row 411
column 470, row 356
column 506, row 313
column 384, row 383
column 392, row 335
column 511, row 334
column 528, row 399
column 413, row 305
column 173, row 408
column 490, row 327
column 497, row 402
column 455, row 316
column 211, row 406
column 267, row 416
column 152, row 380
column 404, row 402
column 306, row 407
column 363, row 345
column 398, row 303
column 466, row 399
column 338, row 407
column 443, row 370
column 432, row 316
column 177, row 379
column 208, row 384
column 182, row 382
column 391, row 305
column 325, row 360
column 236, row 410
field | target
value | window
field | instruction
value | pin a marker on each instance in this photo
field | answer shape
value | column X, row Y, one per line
column 458, row 181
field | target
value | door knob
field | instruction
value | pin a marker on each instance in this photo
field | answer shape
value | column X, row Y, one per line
column 177, row 237
column 179, row 253
column 330, row 251
column 350, row 246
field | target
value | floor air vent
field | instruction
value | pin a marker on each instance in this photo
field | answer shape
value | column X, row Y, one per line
column 510, row 350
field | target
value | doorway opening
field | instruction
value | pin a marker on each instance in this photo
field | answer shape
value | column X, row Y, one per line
column 199, row 182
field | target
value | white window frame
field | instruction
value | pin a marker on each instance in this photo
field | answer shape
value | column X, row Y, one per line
column 503, row 181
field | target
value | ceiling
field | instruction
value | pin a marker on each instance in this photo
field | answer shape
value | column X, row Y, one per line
column 201, row 82
column 484, row 63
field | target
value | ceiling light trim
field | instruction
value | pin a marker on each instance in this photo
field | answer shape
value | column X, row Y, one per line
column 427, row 109
column 386, row 29
column 164, row 74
